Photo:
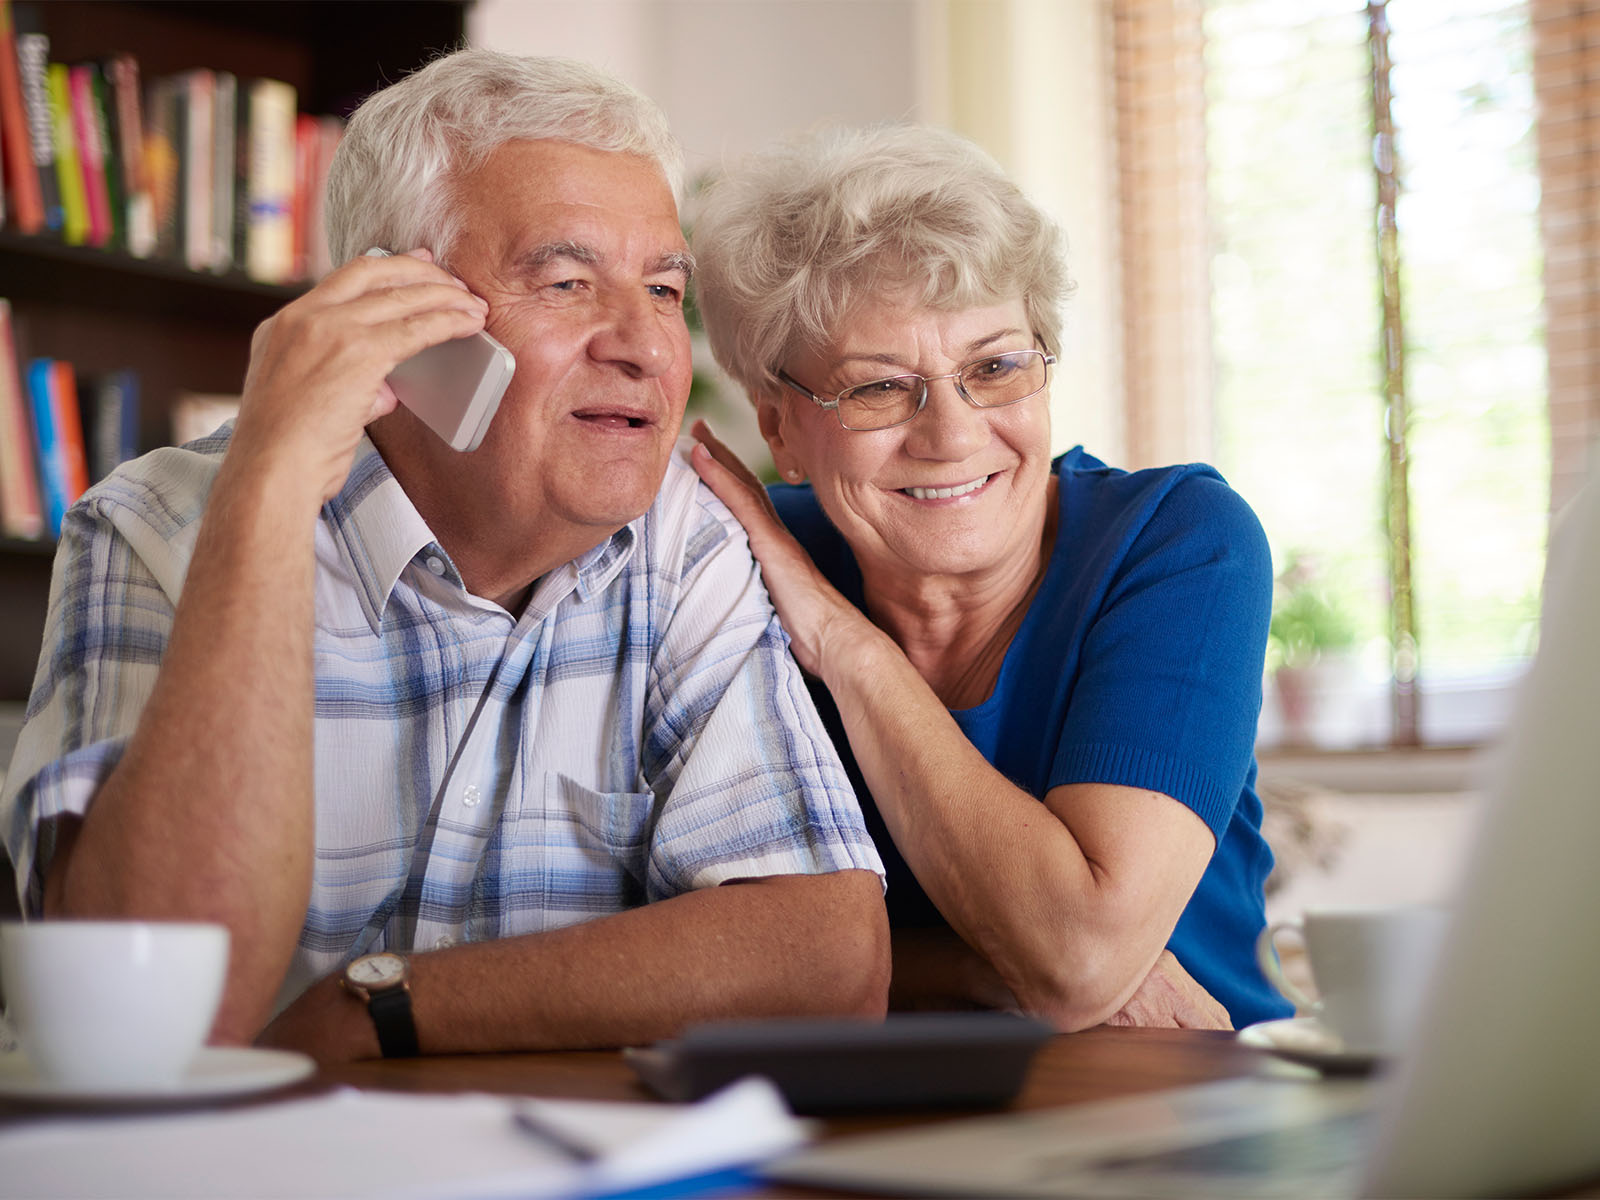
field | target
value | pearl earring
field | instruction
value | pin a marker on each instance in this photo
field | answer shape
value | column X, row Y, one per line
column 793, row 475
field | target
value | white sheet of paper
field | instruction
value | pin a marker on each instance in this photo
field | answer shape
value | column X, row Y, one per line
column 357, row 1144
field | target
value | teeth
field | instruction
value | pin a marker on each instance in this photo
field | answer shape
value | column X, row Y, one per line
column 962, row 489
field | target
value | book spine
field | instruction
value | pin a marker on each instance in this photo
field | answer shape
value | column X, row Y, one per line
column 319, row 259
column 222, row 170
column 122, row 76
column 164, row 164
column 21, row 510
column 199, row 92
column 241, row 175
column 52, row 471
column 271, row 236
column 109, row 403
column 33, row 63
column 69, row 429
column 161, row 165
column 69, row 175
column 91, row 153
column 305, row 171
column 21, row 177
column 128, row 431
column 106, row 124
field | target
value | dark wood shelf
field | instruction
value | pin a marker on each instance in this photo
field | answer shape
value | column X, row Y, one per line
column 182, row 330
column 38, row 268
column 28, row 547
column 335, row 52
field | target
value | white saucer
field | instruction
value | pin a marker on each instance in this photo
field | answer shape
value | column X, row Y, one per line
column 216, row 1071
column 1308, row 1041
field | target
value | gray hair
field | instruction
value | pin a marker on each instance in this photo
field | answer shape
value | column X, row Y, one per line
column 790, row 241
column 390, row 183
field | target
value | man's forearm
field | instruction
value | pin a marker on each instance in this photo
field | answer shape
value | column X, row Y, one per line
column 787, row 945
column 209, row 813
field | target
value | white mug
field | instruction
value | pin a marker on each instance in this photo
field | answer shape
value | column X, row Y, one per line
column 1370, row 966
column 107, row 1005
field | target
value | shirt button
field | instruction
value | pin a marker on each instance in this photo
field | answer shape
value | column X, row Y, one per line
column 470, row 795
column 436, row 565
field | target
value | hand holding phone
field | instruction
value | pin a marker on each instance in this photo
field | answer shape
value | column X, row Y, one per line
column 454, row 388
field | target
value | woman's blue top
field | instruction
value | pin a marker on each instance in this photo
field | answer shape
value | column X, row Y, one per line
column 1139, row 663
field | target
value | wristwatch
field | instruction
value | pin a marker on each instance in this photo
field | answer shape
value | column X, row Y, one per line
column 383, row 981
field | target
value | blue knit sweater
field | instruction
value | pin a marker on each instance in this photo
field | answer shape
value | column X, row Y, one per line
column 1138, row 663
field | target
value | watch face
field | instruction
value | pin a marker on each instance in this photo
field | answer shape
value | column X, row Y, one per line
column 376, row 970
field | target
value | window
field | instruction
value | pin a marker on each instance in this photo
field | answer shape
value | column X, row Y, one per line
column 1304, row 353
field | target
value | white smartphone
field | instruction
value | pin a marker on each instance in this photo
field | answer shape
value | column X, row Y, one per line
column 454, row 388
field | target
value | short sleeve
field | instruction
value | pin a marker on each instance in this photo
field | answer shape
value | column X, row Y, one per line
column 1169, row 688
column 106, row 630
column 754, row 786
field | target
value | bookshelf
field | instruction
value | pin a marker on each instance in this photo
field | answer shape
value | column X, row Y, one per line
column 182, row 330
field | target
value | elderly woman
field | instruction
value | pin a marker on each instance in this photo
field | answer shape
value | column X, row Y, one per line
column 1048, row 672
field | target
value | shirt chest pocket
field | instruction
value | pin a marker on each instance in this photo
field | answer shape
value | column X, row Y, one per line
column 601, row 845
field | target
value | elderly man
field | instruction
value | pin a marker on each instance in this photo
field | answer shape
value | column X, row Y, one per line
column 499, row 750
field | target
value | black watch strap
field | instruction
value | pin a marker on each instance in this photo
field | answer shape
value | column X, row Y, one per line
column 391, row 1017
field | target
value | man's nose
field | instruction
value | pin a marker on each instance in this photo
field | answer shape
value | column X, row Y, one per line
column 637, row 334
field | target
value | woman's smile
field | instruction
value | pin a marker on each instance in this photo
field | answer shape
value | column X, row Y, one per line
column 953, row 492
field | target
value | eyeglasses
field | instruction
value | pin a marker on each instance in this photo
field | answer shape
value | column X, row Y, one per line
column 992, row 382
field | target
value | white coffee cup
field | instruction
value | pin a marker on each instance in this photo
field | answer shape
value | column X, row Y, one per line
column 1370, row 967
column 108, row 1005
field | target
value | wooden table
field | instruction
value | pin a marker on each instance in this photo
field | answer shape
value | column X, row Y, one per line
column 1072, row 1068
column 1097, row 1064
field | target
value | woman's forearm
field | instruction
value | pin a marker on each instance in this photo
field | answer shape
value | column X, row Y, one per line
column 1006, row 874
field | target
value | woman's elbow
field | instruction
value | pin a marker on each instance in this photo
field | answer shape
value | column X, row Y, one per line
column 1074, row 989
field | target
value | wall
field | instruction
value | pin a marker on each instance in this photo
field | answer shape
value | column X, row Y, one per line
column 1024, row 78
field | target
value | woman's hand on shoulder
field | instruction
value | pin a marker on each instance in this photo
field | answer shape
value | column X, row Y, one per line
column 814, row 613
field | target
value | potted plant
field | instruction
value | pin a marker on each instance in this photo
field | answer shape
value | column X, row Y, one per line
column 1308, row 629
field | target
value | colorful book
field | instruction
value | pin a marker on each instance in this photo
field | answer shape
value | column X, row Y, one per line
column 318, row 258
column 69, row 175
column 105, row 115
column 21, row 510
column 25, row 205
column 161, row 142
column 121, row 72
column 305, row 170
column 58, row 432
column 109, row 403
column 91, row 152
column 269, row 244
column 33, row 64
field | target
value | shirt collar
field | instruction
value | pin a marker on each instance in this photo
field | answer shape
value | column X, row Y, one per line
column 376, row 528
column 378, row 532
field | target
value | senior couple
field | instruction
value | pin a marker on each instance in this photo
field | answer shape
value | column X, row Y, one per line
column 508, row 749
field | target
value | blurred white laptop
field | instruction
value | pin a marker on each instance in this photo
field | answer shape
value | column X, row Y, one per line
column 1500, row 1092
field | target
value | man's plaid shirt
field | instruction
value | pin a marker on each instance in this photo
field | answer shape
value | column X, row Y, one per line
column 640, row 730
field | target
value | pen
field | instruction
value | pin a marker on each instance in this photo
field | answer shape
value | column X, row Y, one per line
column 531, row 1122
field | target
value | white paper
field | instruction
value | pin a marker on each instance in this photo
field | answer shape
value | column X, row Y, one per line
column 357, row 1144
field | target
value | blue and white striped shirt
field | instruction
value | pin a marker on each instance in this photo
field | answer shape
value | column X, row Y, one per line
column 640, row 731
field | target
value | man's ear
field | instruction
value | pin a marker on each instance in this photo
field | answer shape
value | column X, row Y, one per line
column 769, row 415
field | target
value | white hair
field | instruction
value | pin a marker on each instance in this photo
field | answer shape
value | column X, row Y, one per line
column 790, row 241
column 390, row 183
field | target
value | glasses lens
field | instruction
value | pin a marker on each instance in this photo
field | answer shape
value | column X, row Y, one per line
column 881, row 403
column 1005, row 378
